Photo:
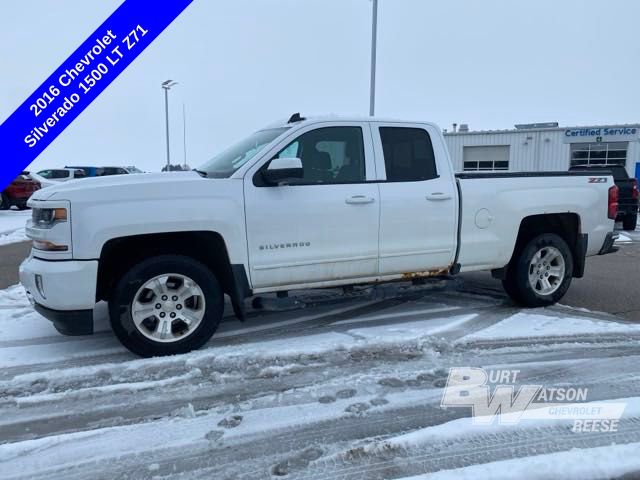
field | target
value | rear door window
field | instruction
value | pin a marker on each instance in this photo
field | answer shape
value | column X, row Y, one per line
column 408, row 154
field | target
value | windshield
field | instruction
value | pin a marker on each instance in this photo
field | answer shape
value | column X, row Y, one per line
column 226, row 163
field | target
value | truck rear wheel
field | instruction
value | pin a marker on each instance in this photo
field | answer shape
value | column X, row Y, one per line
column 166, row 305
column 542, row 272
column 630, row 222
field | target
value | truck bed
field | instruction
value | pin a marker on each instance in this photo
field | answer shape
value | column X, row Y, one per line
column 491, row 200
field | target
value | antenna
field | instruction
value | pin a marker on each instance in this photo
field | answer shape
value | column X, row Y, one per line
column 296, row 118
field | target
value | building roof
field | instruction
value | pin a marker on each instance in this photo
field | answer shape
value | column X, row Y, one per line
column 523, row 130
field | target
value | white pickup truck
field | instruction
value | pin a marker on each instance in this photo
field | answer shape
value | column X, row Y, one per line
column 305, row 203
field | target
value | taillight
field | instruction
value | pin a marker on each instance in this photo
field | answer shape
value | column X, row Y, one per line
column 634, row 192
column 613, row 203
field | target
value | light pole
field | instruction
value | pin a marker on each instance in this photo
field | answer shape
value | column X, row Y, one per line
column 184, row 133
column 166, row 86
column 374, row 41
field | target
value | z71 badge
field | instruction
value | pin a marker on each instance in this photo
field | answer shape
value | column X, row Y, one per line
column 597, row 179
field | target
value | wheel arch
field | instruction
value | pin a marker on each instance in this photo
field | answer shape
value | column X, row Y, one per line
column 566, row 225
column 118, row 255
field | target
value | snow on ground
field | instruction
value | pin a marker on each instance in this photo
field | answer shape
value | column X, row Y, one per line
column 337, row 387
column 466, row 427
column 625, row 236
column 524, row 325
column 622, row 238
column 18, row 320
column 12, row 223
column 577, row 464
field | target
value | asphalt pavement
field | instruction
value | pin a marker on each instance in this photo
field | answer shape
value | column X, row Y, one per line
column 10, row 258
column 611, row 282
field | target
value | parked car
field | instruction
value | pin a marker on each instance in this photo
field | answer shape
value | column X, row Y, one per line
column 102, row 171
column 627, row 196
column 305, row 204
column 44, row 182
column 48, row 178
column 18, row 192
column 62, row 174
column 89, row 171
column 132, row 169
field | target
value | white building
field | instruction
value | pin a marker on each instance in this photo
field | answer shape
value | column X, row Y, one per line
column 545, row 147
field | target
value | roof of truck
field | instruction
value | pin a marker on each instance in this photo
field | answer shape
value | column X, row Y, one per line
column 340, row 118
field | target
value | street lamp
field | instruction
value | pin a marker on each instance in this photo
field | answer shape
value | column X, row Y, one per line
column 166, row 86
column 374, row 41
column 184, row 133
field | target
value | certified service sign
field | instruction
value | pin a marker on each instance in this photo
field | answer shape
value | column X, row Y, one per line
column 601, row 134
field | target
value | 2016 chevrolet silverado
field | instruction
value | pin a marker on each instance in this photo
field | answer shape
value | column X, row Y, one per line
column 305, row 203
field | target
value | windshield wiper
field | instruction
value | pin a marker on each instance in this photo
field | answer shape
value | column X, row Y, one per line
column 202, row 173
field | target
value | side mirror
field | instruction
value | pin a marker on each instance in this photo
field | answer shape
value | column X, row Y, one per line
column 283, row 170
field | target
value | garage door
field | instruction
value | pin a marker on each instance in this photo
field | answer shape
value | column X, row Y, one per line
column 486, row 158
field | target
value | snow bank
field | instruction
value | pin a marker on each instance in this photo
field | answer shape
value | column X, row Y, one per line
column 16, row 236
column 12, row 224
column 464, row 427
column 612, row 461
column 527, row 325
column 18, row 320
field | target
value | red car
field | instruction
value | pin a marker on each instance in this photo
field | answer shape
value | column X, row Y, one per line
column 18, row 192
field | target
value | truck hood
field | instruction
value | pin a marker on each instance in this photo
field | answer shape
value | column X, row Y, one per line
column 132, row 187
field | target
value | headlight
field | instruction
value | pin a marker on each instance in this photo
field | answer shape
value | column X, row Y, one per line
column 48, row 217
column 50, row 227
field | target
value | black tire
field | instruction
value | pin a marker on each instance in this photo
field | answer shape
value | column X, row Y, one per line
column 22, row 206
column 509, row 286
column 517, row 283
column 121, row 301
column 5, row 203
column 630, row 222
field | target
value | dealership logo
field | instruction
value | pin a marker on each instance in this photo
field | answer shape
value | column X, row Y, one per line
column 494, row 395
column 601, row 134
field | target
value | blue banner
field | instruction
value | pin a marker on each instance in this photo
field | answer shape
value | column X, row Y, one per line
column 79, row 80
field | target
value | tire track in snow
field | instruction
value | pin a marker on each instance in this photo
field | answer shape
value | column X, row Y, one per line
column 462, row 452
column 142, row 410
column 309, row 325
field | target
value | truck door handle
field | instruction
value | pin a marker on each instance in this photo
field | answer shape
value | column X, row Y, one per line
column 435, row 196
column 359, row 199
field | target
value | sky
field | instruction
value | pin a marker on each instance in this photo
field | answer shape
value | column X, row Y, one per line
column 243, row 64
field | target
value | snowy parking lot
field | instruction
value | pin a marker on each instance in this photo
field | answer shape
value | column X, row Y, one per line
column 12, row 226
column 320, row 385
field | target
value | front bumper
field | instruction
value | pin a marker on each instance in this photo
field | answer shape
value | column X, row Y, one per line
column 68, row 322
column 63, row 291
column 607, row 246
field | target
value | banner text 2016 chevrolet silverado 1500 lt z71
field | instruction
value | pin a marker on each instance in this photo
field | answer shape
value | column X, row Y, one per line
column 306, row 203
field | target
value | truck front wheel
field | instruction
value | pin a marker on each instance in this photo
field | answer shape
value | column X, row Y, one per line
column 542, row 272
column 166, row 305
